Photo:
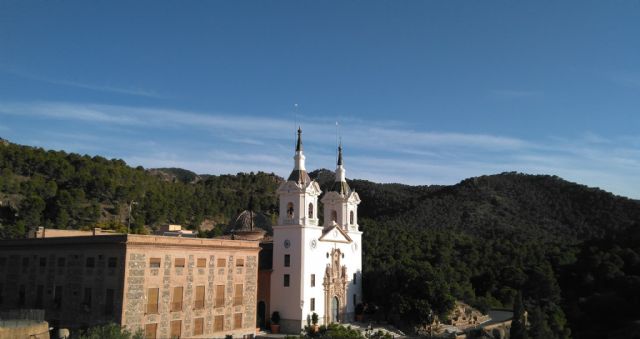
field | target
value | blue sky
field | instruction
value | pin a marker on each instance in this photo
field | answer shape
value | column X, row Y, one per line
column 426, row 92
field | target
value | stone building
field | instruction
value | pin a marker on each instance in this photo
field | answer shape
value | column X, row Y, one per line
column 164, row 286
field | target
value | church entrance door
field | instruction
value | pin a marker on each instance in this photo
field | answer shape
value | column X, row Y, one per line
column 334, row 310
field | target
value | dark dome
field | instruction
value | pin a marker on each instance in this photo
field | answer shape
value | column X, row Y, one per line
column 250, row 225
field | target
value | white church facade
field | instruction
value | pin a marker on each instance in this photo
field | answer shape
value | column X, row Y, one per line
column 316, row 267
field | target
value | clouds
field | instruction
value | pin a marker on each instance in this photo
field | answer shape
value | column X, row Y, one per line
column 94, row 87
column 215, row 142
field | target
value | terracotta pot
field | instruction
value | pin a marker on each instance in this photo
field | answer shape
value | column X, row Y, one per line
column 275, row 328
column 315, row 328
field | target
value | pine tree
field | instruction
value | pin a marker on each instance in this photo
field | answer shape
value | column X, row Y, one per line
column 518, row 323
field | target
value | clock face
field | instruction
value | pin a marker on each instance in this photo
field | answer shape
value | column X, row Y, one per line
column 313, row 244
column 287, row 243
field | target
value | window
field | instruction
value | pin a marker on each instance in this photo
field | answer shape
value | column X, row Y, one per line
column 179, row 262
column 354, row 279
column 237, row 295
column 87, row 297
column 22, row 296
column 57, row 298
column 310, row 210
column 221, row 262
column 313, row 280
column 176, row 328
column 113, row 262
column 152, row 301
column 150, row 331
column 154, row 262
column 287, row 260
column 176, row 302
column 351, row 217
column 334, row 216
column 219, row 302
column 199, row 303
column 290, row 210
column 198, row 326
column 354, row 299
column 286, row 280
column 312, row 304
column 237, row 321
column 39, row 296
column 43, row 261
column 218, row 323
column 108, row 304
column 239, row 262
column 91, row 262
column 202, row 262
column 25, row 265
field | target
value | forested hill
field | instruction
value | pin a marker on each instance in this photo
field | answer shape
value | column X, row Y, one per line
column 572, row 251
column 66, row 190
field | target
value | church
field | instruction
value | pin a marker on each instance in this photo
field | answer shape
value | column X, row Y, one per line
column 315, row 268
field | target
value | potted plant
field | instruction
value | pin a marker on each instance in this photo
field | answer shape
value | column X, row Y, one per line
column 314, row 321
column 275, row 322
column 359, row 312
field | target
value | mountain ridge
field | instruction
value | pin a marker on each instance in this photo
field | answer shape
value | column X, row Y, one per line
column 568, row 248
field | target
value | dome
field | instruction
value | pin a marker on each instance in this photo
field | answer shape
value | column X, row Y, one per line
column 250, row 225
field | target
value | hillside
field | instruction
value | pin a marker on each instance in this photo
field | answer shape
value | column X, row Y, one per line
column 573, row 251
column 66, row 190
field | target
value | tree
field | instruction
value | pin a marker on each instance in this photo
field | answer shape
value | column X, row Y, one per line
column 110, row 331
column 518, row 330
column 539, row 328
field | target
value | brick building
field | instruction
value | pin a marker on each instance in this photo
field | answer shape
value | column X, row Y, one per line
column 165, row 286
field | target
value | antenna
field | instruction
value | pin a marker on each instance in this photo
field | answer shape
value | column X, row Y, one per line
column 337, row 133
column 295, row 127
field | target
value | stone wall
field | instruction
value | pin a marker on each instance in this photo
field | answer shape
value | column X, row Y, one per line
column 12, row 329
column 140, row 278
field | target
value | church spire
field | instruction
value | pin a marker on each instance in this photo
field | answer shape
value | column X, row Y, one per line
column 299, row 143
column 299, row 173
column 340, row 185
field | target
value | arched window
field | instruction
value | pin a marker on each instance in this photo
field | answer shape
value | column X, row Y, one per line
column 351, row 218
column 310, row 210
column 334, row 216
column 290, row 210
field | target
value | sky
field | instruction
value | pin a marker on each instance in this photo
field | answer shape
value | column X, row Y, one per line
column 424, row 92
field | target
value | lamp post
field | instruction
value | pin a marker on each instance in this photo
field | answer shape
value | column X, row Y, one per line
column 131, row 203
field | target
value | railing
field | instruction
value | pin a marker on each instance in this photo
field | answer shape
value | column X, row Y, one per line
column 24, row 314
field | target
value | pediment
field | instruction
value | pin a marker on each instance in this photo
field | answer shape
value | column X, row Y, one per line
column 354, row 197
column 311, row 187
column 335, row 233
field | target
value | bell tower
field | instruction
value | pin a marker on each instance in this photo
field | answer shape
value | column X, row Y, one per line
column 299, row 194
column 297, row 226
column 341, row 203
